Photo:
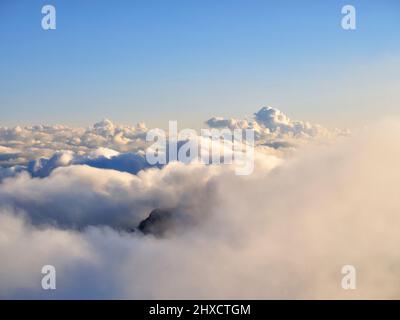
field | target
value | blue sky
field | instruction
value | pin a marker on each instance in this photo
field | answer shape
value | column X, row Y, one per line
column 189, row 60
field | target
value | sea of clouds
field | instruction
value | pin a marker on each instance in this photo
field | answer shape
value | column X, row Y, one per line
column 318, row 199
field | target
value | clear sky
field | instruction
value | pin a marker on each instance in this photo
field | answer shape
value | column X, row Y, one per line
column 189, row 60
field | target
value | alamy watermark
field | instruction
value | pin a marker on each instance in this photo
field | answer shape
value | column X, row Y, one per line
column 213, row 146
column 349, row 18
column 348, row 21
column 349, row 278
column 49, row 18
column 49, row 278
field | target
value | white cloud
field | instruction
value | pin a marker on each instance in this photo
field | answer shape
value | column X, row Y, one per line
column 271, row 126
column 20, row 145
column 33, row 142
column 283, row 232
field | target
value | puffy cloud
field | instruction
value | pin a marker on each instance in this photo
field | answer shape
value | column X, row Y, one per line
column 8, row 155
column 23, row 144
column 271, row 124
column 79, row 196
column 24, row 250
column 219, row 122
column 104, row 152
column 283, row 232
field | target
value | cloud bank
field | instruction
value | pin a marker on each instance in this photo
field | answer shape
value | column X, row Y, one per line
column 283, row 232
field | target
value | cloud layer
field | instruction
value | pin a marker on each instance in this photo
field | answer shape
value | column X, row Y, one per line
column 283, row 232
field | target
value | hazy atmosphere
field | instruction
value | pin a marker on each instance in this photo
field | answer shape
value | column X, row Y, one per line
column 199, row 149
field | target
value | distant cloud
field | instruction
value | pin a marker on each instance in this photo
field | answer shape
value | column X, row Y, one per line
column 33, row 142
column 270, row 124
column 197, row 231
column 41, row 149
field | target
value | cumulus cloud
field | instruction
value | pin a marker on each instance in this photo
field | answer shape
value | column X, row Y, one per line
column 271, row 124
column 41, row 149
column 283, row 232
column 20, row 145
column 23, row 144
